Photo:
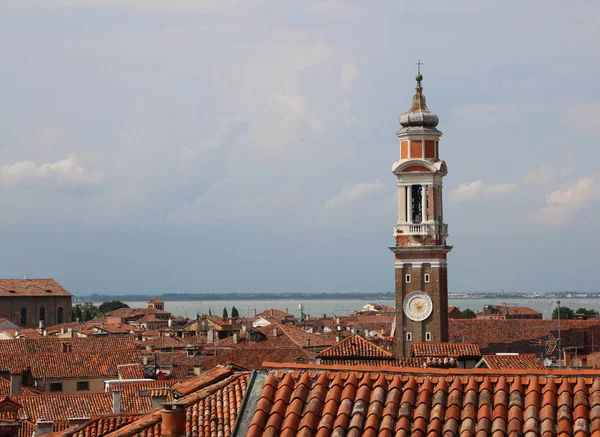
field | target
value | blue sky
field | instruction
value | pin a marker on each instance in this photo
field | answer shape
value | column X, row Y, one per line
column 151, row 146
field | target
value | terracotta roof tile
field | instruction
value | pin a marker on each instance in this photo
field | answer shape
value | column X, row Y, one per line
column 355, row 347
column 455, row 350
column 31, row 287
column 365, row 401
column 130, row 371
column 511, row 361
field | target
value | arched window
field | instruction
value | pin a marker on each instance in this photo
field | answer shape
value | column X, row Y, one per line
column 60, row 315
column 42, row 314
column 23, row 316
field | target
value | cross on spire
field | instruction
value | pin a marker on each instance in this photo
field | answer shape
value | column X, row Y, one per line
column 418, row 64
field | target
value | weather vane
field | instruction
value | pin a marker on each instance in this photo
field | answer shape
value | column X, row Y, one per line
column 418, row 64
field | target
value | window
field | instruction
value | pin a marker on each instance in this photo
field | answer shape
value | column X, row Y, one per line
column 83, row 385
column 427, row 277
column 60, row 315
column 42, row 314
column 407, row 279
column 23, row 317
column 55, row 386
column 409, row 336
column 428, row 336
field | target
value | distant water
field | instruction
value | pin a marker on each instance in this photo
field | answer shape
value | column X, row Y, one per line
column 316, row 307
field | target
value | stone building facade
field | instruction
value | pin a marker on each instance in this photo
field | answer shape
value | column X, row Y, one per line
column 420, row 250
column 27, row 302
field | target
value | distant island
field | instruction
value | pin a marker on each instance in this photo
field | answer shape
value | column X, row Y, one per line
column 329, row 296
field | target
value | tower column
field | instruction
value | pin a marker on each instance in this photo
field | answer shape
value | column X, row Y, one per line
column 409, row 215
column 424, row 203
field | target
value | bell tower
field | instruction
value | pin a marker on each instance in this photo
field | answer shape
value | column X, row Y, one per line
column 420, row 234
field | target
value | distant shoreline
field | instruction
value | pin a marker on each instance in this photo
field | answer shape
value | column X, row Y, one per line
column 181, row 297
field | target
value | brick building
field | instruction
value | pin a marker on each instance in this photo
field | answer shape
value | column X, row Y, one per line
column 420, row 234
column 27, row 302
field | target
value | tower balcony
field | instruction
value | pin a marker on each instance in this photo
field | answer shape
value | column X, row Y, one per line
column 422, row 229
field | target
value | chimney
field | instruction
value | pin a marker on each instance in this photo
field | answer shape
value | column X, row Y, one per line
column 275, row 332
column 173, row 420
column 66, row 347
column 337, row 338
column 210, row 336
column 62, row 331
column 272, row 311
column 236, row 338
column 308, row 342
column 170, row 322
column 197, row 369
column 286, row 310
column 145, row 360
column 324, row 316
column 337, row 320
column 42, row 427
column 17, row 333
column 116, row 401
column 41, row 325
column 16, row 379
column 254, row 312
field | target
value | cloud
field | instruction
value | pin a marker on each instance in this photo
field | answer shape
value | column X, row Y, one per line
column 571, row 165
column 542, row 175
column 353, row 193
column 562, row 206
column 478, row 191
column 63, row 175
column 349, row 73
column 581, row 117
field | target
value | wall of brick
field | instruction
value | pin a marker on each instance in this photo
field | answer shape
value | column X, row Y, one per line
column 10, row 308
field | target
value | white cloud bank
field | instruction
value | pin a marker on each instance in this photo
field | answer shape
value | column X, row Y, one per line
column 477, row 191
column 563, row 205
column 351, row 194
column 64, row 174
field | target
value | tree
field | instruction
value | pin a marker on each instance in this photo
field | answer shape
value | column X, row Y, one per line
column 234, row 313
column 225, row 315
column 566, row 313
column 469, row 314
column 588, row 313
column 76, row 312
column 107, row 307
column 88, row 311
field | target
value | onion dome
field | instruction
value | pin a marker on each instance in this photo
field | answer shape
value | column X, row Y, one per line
column 418, row 116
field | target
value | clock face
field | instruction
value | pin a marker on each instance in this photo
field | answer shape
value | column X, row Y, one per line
column 417, row 306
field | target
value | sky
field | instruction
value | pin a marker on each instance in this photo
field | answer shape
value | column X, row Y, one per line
column 151, row 146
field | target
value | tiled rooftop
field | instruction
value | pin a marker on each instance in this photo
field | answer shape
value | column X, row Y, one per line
column 521, row 361
column 67, row 365
column 455, row 350
column 354, row 346
column 31, row 287
column 323, row 401
column 52, row 344
column 210, row 411
column 130, row 371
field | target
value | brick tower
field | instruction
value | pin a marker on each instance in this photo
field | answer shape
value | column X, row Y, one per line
column 420, row 234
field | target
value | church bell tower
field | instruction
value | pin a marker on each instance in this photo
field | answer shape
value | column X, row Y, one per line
column 420, row 234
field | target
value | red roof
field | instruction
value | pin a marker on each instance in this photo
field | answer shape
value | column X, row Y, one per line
column 355, row 346
column 455, row 350
column 511, row 361
column 130, row 371
column 77, row 344
column 299, row 400
column 32, row 287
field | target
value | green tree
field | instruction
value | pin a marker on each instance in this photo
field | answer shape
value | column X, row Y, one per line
column 88, row 311
column 225, row 315
column 469, row 314
column 76, row 312
column 566, row 313
column 587, row 312
column 107, row 307
column 234, row 312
